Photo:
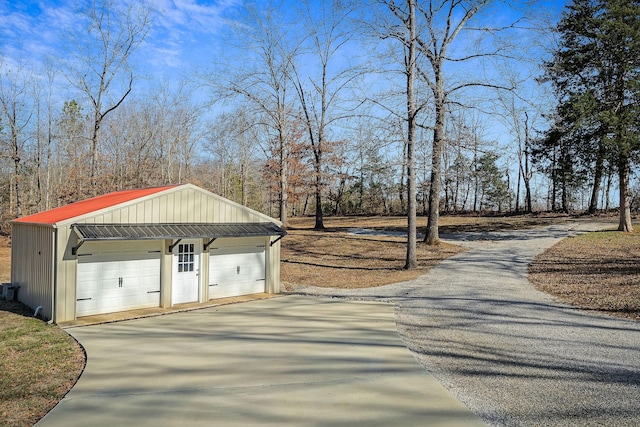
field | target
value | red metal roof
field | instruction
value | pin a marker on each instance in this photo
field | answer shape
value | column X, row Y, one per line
column 83, row 207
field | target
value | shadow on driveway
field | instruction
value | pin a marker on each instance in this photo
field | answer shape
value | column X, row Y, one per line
column 282, row 361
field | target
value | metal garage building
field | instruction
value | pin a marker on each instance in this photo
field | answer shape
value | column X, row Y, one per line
column 155, row 247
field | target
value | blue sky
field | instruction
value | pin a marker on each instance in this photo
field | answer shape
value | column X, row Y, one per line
column 183, row 35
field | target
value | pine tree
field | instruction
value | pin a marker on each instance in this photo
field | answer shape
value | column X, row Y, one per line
column 596, row 73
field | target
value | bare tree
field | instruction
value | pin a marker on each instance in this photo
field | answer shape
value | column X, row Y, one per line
column 100, row 66
column 71, row 156
column 405, row 32
column 439, row 24
column 175, row 119
column 261, row 78
column 232, row 141
column 47, row 135
column 320, row 87
column 411, row 258
column 16, row 113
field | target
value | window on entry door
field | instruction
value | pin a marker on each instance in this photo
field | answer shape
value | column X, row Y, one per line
column 185, row 257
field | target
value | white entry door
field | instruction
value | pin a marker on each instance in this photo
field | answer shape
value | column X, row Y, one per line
column 186, row 272
column 237, row 270
column 110, row 282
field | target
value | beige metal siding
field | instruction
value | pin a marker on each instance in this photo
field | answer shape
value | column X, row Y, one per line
column 32, row 264
column 185, row 205
column 65, row 276
column 273, row 267
column 166, row 275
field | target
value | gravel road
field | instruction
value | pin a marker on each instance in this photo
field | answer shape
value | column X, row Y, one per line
column 513, row 355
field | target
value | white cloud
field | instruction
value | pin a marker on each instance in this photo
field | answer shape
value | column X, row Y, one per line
column 33, row 30
column 183, row 25
column 194, row 16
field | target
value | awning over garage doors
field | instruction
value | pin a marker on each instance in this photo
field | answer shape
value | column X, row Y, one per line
column 95, row 232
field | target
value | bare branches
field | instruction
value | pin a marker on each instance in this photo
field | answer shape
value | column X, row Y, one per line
column 102, row 55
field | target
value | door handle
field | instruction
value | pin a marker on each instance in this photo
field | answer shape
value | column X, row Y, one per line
column 119, row 282
column 238, row 269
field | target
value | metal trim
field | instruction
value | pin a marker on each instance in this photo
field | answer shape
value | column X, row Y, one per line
column 125, row 231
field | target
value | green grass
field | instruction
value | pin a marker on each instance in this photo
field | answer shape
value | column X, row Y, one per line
column 612, row 235
column 39, row 363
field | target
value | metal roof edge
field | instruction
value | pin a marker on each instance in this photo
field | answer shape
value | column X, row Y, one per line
column 41, row 224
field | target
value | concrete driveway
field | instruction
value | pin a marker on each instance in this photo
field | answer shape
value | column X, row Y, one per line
column 282, row 361
column 515, row 356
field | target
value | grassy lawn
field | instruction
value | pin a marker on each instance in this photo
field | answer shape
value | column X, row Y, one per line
column 338, row 258
column 39, row 363
column 596, row 271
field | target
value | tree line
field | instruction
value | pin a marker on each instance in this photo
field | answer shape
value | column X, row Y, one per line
column 339, row 108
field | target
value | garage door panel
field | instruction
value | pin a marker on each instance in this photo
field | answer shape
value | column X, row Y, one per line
column 94, row 268
column 112, row 282
column 235, row 271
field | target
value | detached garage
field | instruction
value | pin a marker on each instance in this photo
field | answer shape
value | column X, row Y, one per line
column 156, row 247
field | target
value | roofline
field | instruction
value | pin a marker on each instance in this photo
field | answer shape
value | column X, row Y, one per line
column 41, row 224
column 177, row 187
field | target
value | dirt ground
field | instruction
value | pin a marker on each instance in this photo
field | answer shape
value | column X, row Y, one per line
column 597, row 271
column 343, row 256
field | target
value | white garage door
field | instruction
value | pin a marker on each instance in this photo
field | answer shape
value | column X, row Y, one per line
column 235, row 271
column 111, row 282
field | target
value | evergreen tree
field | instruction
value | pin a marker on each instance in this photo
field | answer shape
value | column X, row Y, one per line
column 596, row 73
column 494, row 192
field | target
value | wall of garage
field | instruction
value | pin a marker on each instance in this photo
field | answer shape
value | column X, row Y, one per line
column 33, row 262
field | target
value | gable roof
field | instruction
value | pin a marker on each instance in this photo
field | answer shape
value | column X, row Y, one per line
column 83, row 207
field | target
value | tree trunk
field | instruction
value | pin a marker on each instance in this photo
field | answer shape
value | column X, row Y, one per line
column 411, row 260
column 283, row 178
column 554, row 179
column 625, row 209
column 597, row 179
column 527, row 169
column 16, row 180
column 319, row 225
column 475, row 175
column 431, row 236
column 518, row 186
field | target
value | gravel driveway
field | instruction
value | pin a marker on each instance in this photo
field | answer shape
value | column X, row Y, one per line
column 513, row 355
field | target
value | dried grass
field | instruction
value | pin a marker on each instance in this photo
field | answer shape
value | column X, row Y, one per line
column 338, row 259
column 597, row 271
